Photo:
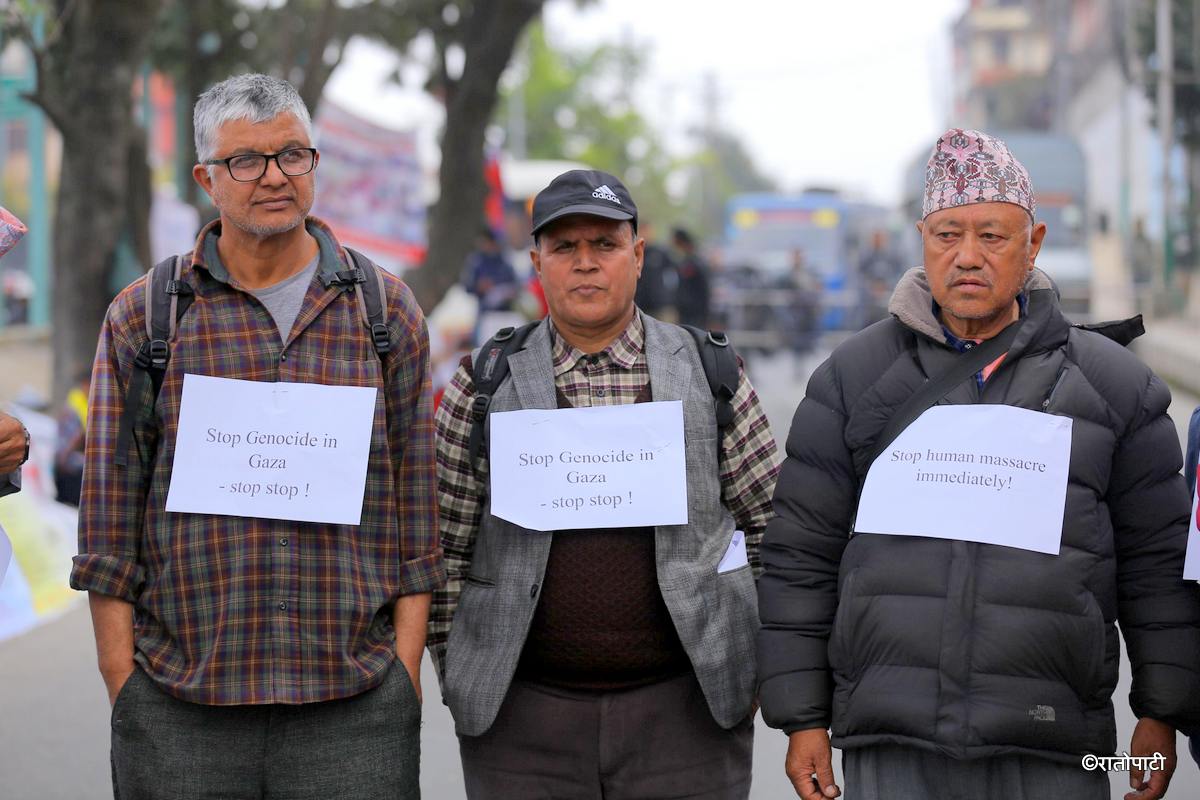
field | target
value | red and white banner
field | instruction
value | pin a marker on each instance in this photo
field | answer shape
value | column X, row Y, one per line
column 369, row 187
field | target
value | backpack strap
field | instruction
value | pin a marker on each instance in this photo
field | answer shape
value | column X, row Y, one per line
column 933, row 390
column 372, row 299
column 720, row 368
column 488, row 371
column 167, row 298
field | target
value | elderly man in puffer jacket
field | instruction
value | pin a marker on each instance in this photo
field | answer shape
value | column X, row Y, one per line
column 951, row 667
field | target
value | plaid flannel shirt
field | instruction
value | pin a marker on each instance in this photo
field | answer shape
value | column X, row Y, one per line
column 748, row 463
column 239, row 610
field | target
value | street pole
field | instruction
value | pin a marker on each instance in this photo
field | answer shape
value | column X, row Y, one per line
column 1165, row 54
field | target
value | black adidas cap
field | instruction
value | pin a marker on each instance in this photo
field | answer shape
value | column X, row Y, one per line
column 583, row 191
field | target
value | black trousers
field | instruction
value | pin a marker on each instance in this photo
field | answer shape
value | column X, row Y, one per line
column 894, row 772
column 366, row 746
column 657, row 741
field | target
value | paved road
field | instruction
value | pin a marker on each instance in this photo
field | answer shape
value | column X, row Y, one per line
column 54, row 715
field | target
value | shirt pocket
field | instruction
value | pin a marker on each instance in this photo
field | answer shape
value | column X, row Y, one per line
column 332, row 371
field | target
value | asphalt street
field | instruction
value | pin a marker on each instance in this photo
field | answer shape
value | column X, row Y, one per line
column 54, row 714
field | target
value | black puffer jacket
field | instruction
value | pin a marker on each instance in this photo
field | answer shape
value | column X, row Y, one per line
column 970, row 649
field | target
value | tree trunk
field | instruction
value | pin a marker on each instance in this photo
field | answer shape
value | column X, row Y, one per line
column 316, row 72
column 85, row 84
column 489, row 38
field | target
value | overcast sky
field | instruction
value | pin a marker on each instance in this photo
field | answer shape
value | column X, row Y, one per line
column 822, row 93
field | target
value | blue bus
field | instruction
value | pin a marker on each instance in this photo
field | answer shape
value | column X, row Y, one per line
column 810, row 242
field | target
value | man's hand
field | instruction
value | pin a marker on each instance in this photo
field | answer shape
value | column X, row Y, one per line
column 409, row 618
column 114, row 681
column 1152, row 737
column 414, row 672
column 12, row 443
column 808, row 755
column 112, row 620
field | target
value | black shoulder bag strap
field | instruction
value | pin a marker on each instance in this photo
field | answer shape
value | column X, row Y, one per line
column 966, row 365
column 167, row 298
column 488, row 371
column 720, row 368
column 372, row 300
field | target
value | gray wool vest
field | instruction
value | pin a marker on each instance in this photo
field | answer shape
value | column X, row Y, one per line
column 716, row 616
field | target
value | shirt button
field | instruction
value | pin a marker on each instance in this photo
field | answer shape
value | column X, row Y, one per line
column 533, row 590
column 283, row 356
column 283, row 542
column 600, row 393
column 282, row 606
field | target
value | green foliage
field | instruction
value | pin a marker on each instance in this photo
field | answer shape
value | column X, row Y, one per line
column 577, row 106
column 301, row 40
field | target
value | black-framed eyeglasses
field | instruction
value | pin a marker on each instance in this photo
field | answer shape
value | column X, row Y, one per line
column 246, row 167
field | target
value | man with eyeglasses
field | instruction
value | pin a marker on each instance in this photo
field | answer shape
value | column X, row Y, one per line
column 247, row 655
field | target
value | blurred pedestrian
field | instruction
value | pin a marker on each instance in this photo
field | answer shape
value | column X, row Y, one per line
column 604, row 660
column 692, row 291
column 491, row 280
column 247, row 655
column 71, row 438
column 14, row 437
column 878, row 271
column 800, row 314
column 943, row 655
column 656, row 286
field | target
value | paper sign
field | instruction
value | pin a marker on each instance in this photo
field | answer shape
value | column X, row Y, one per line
column 275, row 450
column 979, row 473
column 5, row 554
column 735, row 554
column 602, row 467
column 1191, row 563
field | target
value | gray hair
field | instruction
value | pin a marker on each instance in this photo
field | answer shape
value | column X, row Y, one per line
column 254, row 96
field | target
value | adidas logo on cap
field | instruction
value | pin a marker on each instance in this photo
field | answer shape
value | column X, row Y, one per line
column 605, row 193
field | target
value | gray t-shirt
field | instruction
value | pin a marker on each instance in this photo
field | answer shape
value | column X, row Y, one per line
column 284, row 299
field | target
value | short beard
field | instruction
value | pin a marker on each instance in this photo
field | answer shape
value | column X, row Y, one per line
column 265, row 231
column 243, row 223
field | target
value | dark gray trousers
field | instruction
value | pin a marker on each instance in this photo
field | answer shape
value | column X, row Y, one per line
column 366, row 746
column 652, row 742
column 894, row 772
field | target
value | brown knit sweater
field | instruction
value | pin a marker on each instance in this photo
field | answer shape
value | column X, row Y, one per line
column 601, row 622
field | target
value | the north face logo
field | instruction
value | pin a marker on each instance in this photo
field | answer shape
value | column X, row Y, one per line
column 605, row 193
column 1042, row 713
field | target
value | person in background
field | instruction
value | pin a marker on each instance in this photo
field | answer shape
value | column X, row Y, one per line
column 657, row 283
column 692, row 293
column 877, row 273
column 490, row 279
column 72, row 436
column 14, row 437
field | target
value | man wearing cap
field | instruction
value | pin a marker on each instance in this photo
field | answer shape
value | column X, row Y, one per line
column 611, row 661
column 950, row 667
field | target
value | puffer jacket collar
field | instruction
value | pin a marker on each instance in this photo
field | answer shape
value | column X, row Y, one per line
column 912, row 301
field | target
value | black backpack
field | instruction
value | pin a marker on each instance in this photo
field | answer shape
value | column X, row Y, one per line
column 168, row 298
column 491, row 368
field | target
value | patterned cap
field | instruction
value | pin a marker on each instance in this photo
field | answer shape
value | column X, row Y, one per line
column 11, row 231
column 973, row 167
